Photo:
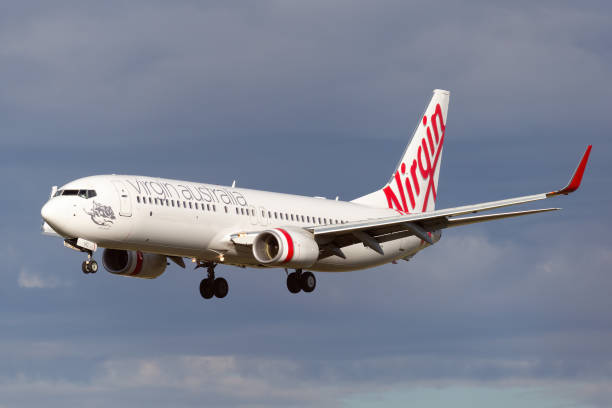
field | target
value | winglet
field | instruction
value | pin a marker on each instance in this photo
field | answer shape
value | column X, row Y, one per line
column 576, row 178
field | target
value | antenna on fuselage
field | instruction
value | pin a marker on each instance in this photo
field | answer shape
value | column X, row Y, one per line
column 233, row 183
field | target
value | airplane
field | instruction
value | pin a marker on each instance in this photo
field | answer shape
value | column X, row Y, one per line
column 143, row 222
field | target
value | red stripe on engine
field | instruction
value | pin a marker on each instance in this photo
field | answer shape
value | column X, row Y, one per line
column 138, row 268
column 289, row 244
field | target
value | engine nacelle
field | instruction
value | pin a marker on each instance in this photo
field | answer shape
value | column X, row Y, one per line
column 287, row 247
column 133, row 263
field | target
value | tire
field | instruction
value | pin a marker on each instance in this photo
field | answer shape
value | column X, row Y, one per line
column 293, row 282
column 308, row 282
column 207, row 289
column 84, row 267
column 221, row 288
column 93, row 267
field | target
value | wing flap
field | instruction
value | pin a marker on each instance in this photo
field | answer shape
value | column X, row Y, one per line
column 492, row 217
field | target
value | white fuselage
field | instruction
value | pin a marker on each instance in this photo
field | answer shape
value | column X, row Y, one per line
column 195, row 220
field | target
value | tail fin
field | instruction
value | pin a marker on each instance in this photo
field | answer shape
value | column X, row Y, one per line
column 414, row 184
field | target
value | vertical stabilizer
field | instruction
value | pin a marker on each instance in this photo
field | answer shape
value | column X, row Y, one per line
column 414, row 183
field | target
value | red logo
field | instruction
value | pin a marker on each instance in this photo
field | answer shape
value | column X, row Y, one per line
column 425, row 163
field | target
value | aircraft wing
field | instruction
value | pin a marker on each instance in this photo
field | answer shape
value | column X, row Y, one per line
column 372, row 232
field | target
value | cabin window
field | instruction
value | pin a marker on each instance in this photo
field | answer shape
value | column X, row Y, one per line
column 269, row 214
column 214, row 207
column 208, row 207
column 275, row 214
column 138, row 199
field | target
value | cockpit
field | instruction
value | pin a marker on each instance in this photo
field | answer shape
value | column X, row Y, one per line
column 80, row 193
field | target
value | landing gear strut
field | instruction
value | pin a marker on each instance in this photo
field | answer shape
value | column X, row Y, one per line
column 299, row 280
column 210, row 286
column 89, row 266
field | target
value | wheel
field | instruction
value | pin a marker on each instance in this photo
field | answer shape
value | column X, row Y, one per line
column 308, row 282
column 207, row 289
column 221, row 288
column 93, row 266
column 293, row 282
column 85, row 267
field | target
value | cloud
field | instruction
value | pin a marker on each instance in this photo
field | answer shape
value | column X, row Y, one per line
column 159, row 68
column 31, row 280
column 108, row 87
column 229, row 380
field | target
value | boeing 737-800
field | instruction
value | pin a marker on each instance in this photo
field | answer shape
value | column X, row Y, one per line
column 142, row 222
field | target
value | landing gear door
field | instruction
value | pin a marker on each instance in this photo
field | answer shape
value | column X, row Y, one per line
column 125, row 205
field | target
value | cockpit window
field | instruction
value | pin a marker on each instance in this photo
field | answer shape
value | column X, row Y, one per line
column 81, row 193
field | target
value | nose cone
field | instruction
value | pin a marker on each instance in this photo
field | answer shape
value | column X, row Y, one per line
column 50, row 213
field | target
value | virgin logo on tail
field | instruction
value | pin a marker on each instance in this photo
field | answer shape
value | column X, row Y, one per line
column 407, row 182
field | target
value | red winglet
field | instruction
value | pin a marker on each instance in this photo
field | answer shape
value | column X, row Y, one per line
column 576, row 178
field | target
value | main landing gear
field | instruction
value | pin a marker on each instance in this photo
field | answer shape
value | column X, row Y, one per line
column 89, row 266
column 299, row 280
column 210, row 286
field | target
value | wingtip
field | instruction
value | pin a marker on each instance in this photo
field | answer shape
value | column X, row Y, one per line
column 576, row 179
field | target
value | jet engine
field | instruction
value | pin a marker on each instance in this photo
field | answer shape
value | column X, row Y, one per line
column 289, row 247
column 133, row 263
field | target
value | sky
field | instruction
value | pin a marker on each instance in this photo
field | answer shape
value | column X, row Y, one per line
column 314, row 98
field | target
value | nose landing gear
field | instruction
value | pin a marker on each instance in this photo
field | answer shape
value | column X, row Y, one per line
column 90, row 265
column 298, row 280
column 212, row 286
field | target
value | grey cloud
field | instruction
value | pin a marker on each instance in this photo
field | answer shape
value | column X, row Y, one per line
column 228, row 380
column 329, row 90
column 150, row 71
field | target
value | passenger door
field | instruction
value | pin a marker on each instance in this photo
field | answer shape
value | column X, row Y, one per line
column 125, row 204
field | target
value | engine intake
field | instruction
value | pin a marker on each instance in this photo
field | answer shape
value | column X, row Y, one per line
column 293, row 248
column 133, row 263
